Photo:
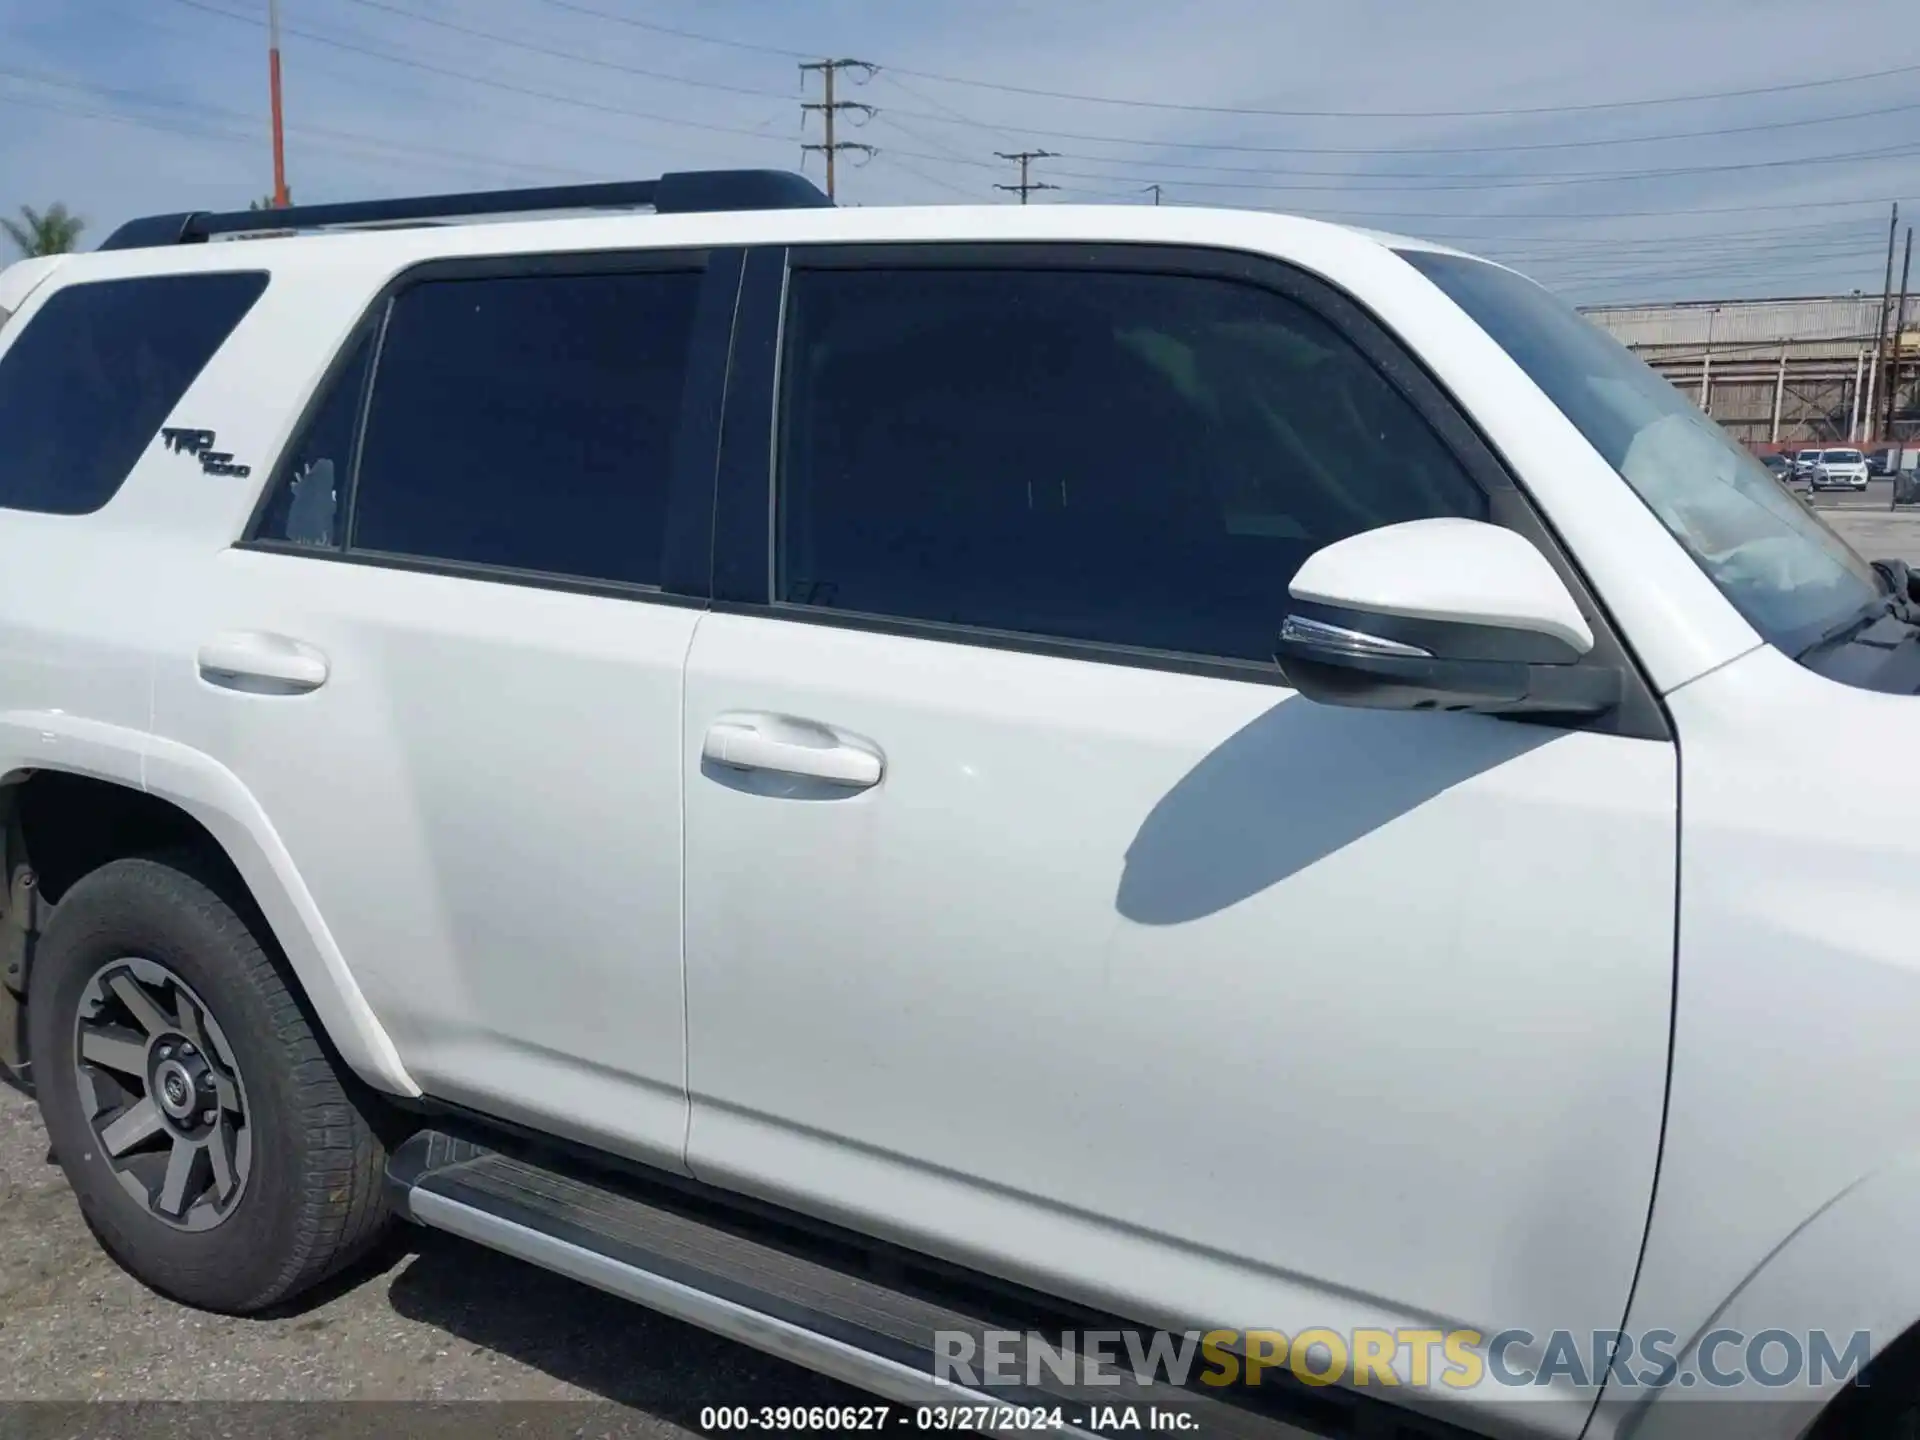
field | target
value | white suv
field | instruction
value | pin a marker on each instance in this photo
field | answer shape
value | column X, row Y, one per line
column 870, row 778
column 1839, row 470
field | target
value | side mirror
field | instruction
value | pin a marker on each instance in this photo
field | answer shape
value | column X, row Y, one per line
column 1441, row 615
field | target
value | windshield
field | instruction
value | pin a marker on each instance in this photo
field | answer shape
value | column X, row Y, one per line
column 1772, row 557
column 1842, row 457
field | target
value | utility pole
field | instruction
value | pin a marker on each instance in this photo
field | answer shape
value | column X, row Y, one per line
column 1156, row 192
column 1706, row 365
column 1899, row 331
column 1886, row 302
column 1025, row 158
column 830, row 109
column 1853, row 419
column 273, row 88
column 1779, row 395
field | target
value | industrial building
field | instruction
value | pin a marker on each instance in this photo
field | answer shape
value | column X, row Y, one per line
column 1782, row 371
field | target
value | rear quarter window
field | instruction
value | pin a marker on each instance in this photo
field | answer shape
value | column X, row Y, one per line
column 87, row 383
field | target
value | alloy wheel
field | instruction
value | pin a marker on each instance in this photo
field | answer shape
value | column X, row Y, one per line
column 158, row 1083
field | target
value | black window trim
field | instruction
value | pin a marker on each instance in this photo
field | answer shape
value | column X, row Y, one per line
column 48, row 293
column 746, row 551
column 688, row 528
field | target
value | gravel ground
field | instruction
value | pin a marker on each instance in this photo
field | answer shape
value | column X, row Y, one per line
column 428, row 1319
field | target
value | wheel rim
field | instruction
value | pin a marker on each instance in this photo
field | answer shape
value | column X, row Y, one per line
column 160, row 1089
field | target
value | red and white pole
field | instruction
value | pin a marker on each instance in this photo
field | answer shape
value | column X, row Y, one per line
column 273, row 81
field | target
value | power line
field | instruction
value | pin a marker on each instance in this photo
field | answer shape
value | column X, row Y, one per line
column 1511, row 110
column 829, row 110
column 665, row 77
column 1041, row 93
column 365, row 149
column 553, row 96
column 1024, row 158
column 948, row 117
column 345, row 70
column 658, row 29
column 934, row 180
column 1584, row 177
column 1395, row 216
column 1503, row 176
column 1540, row 182
column 947, row 152
column 1523, row 181
column 317, row 134
column 954, row 117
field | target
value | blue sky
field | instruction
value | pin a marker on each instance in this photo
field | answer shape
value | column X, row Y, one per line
column 123, row 107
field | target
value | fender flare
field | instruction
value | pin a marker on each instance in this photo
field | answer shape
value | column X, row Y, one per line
column 1852, row 1266
column 215, row 797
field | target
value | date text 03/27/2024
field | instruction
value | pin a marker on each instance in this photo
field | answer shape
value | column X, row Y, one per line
column 1105, row 1419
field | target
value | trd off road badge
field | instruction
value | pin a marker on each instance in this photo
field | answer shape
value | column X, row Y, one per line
column 199, row 444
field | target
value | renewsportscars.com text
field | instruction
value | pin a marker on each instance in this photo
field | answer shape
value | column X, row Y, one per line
column 1453, row 1359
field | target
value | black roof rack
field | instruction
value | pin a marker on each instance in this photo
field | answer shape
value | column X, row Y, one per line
column 682, row 193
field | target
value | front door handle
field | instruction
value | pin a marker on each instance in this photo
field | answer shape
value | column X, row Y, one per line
column 788, row 746
column 262, row 664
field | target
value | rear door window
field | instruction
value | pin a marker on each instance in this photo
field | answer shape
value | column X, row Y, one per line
column 86, row 386
column 527, row 423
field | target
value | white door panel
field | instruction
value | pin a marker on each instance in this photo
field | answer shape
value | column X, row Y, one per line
column 1360, row 1003
column 482, row 795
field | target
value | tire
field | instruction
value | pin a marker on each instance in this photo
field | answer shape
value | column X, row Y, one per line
column 277, row 1118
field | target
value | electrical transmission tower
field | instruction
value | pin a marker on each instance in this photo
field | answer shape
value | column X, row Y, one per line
column 1026, row 158
column 830, row 109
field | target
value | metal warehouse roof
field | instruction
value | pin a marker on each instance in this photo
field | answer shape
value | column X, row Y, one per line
column 1694, row 323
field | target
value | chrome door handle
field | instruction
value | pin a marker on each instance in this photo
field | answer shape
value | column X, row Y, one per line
column 262, row 664
column 788, row 746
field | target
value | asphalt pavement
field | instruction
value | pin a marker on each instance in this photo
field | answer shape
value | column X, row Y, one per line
column 1870, row 524
column 430, row 1336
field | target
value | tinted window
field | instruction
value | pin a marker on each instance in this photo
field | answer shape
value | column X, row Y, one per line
column 528, row 423
column 1137, row 459
column 86, row 386
column 309, row 489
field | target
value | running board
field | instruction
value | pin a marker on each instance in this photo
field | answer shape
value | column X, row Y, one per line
column 784, row 1290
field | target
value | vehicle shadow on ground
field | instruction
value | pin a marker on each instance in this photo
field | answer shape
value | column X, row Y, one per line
column 609, row 1347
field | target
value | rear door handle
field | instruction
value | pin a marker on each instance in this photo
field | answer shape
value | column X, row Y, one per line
column 262, row 664
column 788, row 746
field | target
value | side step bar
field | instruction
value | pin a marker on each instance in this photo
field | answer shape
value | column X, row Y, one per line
column 782, row 1290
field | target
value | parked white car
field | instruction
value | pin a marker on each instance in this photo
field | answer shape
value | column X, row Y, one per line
column 1840, row 470
column 866, row 777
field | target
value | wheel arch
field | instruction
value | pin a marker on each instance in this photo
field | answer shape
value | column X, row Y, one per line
column 149, row 791
column 1851, row 1268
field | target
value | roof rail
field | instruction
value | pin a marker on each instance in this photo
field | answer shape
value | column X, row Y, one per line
column 682, row 193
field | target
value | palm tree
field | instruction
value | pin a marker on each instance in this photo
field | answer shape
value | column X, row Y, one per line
column 53, row 233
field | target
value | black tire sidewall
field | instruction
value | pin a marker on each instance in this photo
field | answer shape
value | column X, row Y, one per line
column 149, row 910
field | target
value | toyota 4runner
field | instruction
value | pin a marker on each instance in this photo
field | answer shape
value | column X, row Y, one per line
column 878, row 779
